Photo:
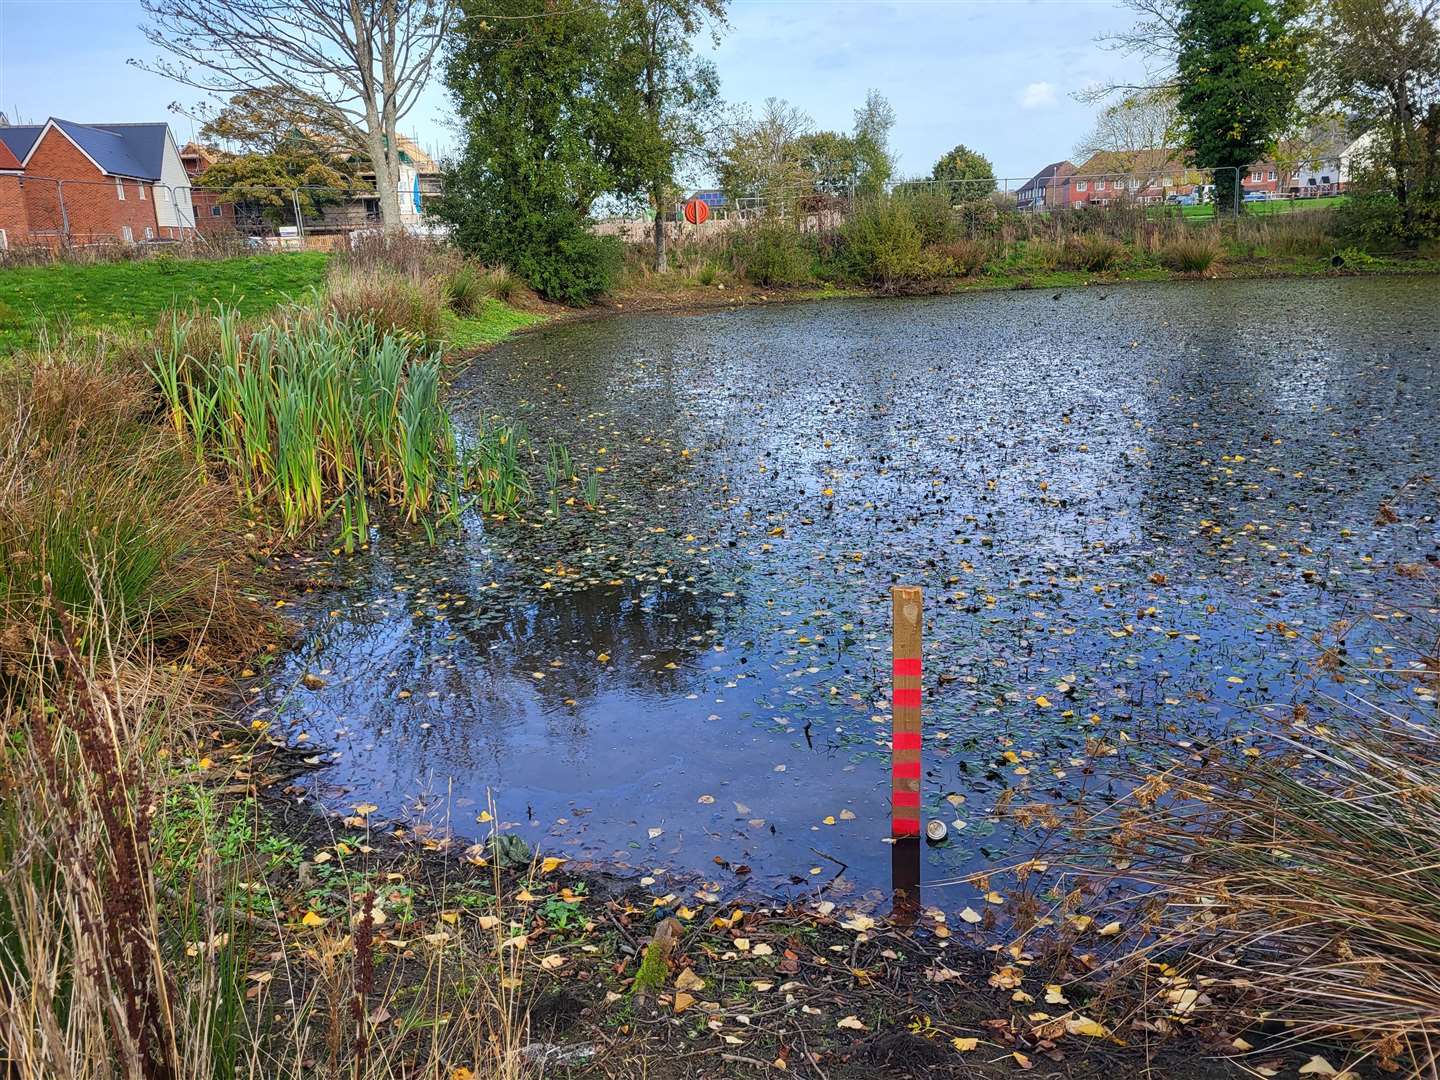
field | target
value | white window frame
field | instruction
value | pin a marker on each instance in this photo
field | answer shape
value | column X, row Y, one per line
column 1082, row 185
column 149, row 233
column 1099, row 185
column 4, row 241
column 1256, row 177
column 141, row 189
column 1271, row 175
column 119, row 189
column 164, row 193
column 127, row 235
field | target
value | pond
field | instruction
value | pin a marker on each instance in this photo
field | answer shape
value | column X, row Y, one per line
column 1128, row 508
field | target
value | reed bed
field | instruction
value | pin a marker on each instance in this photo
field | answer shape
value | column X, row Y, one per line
column 319, row 416
column 1294, row 884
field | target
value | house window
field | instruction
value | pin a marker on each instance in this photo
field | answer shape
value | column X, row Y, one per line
column 164, row 194
column 119, row 189
column 149, row 233
column 1168, row 181
column 1255, row 177
column 1099, row 185
column 141, row 189
column 215, row 210
column 126, row 234
column 4, row 241
column 1271, row 176
column 1082, row 185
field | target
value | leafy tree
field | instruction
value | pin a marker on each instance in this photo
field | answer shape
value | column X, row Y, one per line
column 1239, row 71
column 294, row 172
column 676, row 91
column 969, row 173
column 1379, row 62
column 874, row 161
column 543, row 111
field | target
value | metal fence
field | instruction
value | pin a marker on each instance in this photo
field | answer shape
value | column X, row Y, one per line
column 49, row 212
column 1163, row 190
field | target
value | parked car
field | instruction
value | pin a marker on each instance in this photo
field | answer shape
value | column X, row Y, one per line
column 1256, row 196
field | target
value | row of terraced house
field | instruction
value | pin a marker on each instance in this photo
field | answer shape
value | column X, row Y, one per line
column 1155, row 176
column 67, row 184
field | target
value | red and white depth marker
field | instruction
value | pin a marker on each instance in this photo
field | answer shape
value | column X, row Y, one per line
column 905, row 704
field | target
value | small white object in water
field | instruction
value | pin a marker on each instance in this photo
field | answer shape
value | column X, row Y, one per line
column 935, row 831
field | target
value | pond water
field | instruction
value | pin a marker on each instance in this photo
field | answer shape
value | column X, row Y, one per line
column 1111, row 497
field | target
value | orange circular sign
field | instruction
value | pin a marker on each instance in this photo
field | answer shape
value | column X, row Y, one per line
column 697, row 211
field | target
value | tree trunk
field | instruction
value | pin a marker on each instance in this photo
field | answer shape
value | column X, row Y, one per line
column 387, row 179
column 661, row 259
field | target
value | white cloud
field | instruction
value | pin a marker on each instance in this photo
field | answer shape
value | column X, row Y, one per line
column 1038, row 95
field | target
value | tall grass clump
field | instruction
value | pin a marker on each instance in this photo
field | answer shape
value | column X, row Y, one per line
column 1094, row 252
column 1190, row 254
column 1295, row 879
column 318, row 416
column 103, row 512
column 392, row 302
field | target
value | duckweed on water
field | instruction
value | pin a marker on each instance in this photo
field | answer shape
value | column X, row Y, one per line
column 314, row 416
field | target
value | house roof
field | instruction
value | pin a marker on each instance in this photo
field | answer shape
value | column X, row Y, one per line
column 1130, row 162
column 135, row 150
column 19, row 138
column 1046, row 175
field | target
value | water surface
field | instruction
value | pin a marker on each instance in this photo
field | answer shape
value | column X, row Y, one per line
column 1114, row 498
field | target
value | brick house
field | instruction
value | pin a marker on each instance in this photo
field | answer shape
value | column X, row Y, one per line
column 14, row 221
column 211, row 215
column 86, row 183
column 1045, row 189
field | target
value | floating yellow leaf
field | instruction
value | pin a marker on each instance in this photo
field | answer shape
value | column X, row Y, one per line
column 551, row 863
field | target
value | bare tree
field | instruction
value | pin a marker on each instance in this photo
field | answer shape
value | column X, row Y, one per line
column 361, row 63
column 1140, row 121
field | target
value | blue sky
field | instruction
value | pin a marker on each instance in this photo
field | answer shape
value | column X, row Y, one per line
column 994, row 74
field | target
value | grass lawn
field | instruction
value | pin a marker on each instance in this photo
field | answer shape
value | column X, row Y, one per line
column 493, row 322
column 133, row 295
column 1276, row 206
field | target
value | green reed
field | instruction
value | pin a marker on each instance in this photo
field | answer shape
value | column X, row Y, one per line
column 316, row 415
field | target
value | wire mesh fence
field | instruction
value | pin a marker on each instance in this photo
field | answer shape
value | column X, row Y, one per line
column 54, row 214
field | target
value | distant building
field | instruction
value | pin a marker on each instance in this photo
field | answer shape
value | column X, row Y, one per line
column 418, row 184
column 211, row 214
column 91, row 183
column 1044, row 189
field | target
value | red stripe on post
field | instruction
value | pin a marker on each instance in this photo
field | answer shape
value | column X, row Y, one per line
column 906, row 770
column 907, row 665
column 906, row 698
column 906, row 740
column 905, row 798
column 904, row 826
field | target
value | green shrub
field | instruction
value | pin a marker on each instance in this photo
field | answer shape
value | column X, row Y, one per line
column 1092, row 252
column 771, row 253
column 503, row 285
column 883, row 246
column 1351, row 258
column 577, row 268
column 963, row 258
column 1375, row 218
column 1189, row 254
column 931, row 210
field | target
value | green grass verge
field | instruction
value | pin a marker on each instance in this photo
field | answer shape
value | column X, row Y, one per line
column 1261, row 209
column 133, row 295
column 494, row 322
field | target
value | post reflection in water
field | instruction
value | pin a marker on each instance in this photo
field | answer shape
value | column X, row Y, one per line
column 905, row 879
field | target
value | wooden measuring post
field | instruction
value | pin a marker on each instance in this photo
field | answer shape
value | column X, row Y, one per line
column 905, row 755
column 906, row 602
